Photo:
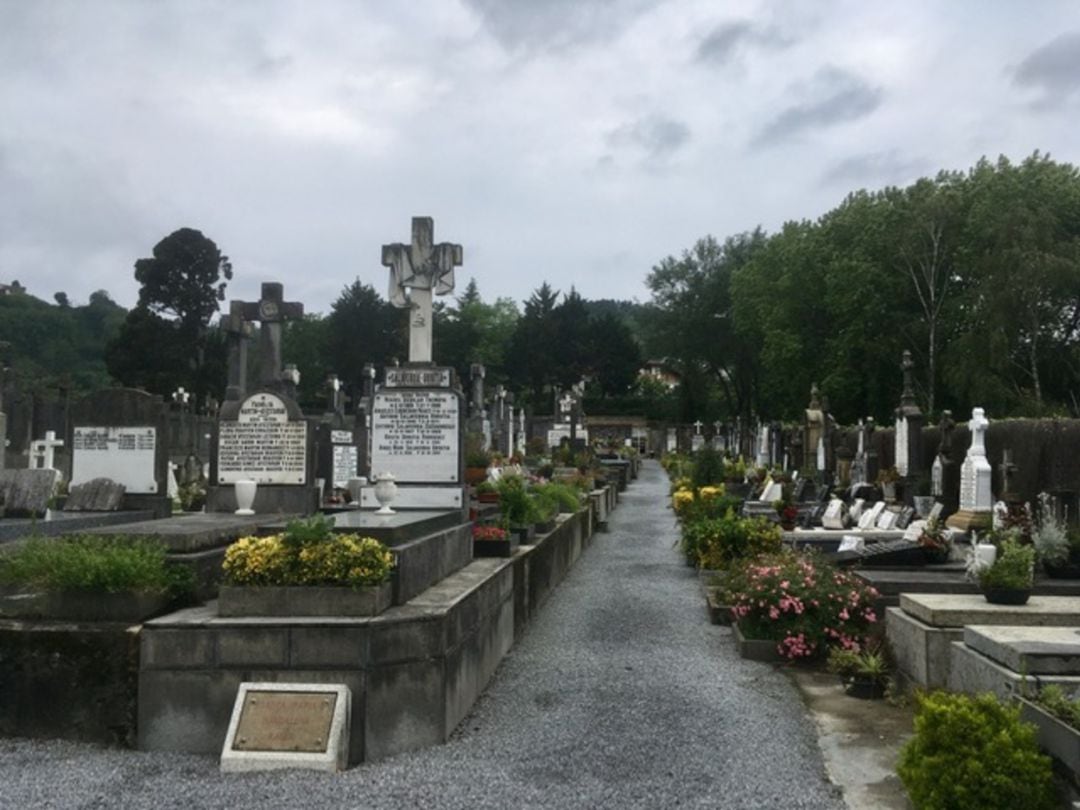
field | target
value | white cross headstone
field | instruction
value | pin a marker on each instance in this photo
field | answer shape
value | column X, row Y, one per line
column 975, row 495
column 418, row 271
column 43, row 451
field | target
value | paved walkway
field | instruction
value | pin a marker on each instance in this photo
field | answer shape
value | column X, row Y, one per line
column 620, row 695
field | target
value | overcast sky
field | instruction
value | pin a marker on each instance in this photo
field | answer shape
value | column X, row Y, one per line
column 577, row 141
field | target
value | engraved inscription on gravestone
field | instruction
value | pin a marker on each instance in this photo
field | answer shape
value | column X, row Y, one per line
column 415, row 435
column 345, row 457
column 285, row 721
column 123, row 454
column 262, row 444
column 417, row 378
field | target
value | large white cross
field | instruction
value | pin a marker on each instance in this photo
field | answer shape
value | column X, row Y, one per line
column 44, row 450
column 697, row 427
column 418, row 271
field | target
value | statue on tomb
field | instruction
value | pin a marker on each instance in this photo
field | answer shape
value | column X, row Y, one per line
column 945, row 431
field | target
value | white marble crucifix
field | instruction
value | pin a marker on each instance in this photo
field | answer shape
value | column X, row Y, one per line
column 43, row 450
column 418, row 271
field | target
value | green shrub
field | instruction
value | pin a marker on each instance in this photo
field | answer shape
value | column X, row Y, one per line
column 708, row 467
column 1014, row 567
column 716, row 542
column 110, row 564
column 1066, row 709
column 563, row 495
column 973, row 753
column 515, row 503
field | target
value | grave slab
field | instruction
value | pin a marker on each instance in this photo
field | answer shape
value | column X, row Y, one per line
column 974, row 673
column 67, row 523
column 192, row 532
column 958, row 610
column 1034, row 650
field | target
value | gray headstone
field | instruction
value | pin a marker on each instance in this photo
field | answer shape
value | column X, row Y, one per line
column 27, row 492
column 96, row 495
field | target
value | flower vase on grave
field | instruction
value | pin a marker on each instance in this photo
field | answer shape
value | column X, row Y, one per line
column 245, row 496
column 385, row 492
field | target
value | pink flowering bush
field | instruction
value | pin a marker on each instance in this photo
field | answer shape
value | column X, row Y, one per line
column 802, row 603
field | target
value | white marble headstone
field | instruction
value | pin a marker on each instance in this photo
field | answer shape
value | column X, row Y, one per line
column 856, row 510
column 835, row 516
column 975, row 472
column 886, row 520
column 869, row 518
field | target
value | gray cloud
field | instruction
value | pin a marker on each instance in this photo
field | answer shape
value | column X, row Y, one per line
column 1054, row 68
column 836, row 97
column 889, row 167
column 657, row 136
column 724, row 41
column 555, row 24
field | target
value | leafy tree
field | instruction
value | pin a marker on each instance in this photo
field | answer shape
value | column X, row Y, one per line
column 182, row 279
column 363, row 328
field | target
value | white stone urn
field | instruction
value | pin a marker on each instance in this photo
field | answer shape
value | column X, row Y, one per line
column 385, row 492
column 245, row 496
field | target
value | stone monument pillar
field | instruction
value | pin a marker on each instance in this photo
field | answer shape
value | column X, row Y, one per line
column 976, row 498
column 908, row 438
column 813, row 432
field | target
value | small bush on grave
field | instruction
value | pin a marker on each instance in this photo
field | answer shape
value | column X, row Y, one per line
column 516, row 504
column 802, row 603
column 308, row 553
column 704, row 503
column 974, row 753
column 718, row 542
column 708, row 467
column 1054, row 700
column 565, row 496
column 95, row 563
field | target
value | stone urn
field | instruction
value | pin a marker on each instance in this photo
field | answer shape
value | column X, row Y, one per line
column 245, row 496
column 385, row 492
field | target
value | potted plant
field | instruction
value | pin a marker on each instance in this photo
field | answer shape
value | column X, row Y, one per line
column 477, row 459
column 935, row 542
column 787, row 512
column 307, row 570
column 864, row 673
column 887, row 479
column 487, row 493
column 1008, row 580
column 1057, row 547
column 493, row 541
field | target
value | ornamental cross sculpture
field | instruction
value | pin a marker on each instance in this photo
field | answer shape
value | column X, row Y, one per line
column 418, row 271
column 271, row 310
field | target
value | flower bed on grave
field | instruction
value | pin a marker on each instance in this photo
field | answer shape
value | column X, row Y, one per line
column 91, row 578
column 306, row 571
column 801, row 605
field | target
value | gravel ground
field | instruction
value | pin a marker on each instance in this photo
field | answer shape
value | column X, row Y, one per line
column 620, row 694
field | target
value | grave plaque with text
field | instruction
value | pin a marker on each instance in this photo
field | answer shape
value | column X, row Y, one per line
column 344, row 457
column 125, row 455
column 262, row 444
column 416, row 435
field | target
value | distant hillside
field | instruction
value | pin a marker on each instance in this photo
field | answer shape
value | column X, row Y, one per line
column 50, row 343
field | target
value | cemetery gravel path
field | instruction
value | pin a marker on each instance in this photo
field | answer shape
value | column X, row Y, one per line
column 620, row 694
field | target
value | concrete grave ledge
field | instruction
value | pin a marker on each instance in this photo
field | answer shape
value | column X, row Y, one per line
column 972, row 672
column 194, row 532
column 414, row 671
column 958, row 610
column 1034, row 650
column 924, row 627
column 68, row 523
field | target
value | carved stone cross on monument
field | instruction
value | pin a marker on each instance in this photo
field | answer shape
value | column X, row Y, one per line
column 271, row 311
column 42, row 451
column 422, row 269
column 237, row 334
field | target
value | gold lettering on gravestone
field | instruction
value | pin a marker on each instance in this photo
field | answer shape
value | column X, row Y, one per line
column 285, row 721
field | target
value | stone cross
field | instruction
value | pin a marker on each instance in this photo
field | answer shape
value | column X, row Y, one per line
column 476, row 376
column 271, row 311
column 181, row 397
column 697, row 427
column 237, row 334
column 43, row 450
column 418, row 271
column 335, row 397
column 1008, row 470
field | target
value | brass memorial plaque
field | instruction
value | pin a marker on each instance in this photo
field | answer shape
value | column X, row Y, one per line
column 285, row 721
